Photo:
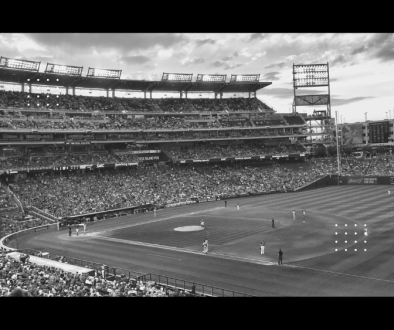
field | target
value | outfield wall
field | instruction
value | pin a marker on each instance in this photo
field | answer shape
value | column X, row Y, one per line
column 332, row 180
column 367, row 180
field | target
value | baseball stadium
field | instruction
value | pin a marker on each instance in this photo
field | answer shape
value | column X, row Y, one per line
column 188, row 196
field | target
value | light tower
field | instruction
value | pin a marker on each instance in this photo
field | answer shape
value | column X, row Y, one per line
column 311, row 76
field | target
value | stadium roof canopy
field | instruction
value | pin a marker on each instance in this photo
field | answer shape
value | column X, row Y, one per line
column 62, row 80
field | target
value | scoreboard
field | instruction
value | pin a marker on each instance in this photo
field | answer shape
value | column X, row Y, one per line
column 379, row 132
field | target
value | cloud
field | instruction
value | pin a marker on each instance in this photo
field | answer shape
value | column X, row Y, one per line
column 136, row 59
column 218, row 64
column 201, row 42
column 117, row 41
column 196, row 60
column 358, row 50
column 280, row 65
column 338, row 60
column 336, row 102
column 233, row 66
column 380, row 46
column 287, row 93
column 230, row 57
column 271, row 75
column 386, row 53
column 278, row 92
column 225, row 66
column 256, row 36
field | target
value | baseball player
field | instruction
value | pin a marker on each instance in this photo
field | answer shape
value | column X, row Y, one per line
column 202, row 223
column 262, row 246
column 294, row 214
column 205, row 246
column 273, row 223
column 238, row 207
column 280, row 257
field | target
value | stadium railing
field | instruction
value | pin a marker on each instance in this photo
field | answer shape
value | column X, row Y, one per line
column 203, row 289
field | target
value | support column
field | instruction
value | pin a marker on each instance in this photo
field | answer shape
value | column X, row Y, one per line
column 113, row 92
column 216, row 95
column 23, row 87
column 150, row 92
column 66, row 90
column 249, row 94
column 221, row 95
column 180, row 94
column 73, row 91
column 255, row 94
column 107, row 92
column 29, row 87
column 145, row 94
column 186, row 95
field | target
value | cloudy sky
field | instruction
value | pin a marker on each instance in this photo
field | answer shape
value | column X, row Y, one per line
column 361, row 65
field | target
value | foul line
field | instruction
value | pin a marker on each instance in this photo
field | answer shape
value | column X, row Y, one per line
column 213, row 254
column 339, row 273
column 161, row 256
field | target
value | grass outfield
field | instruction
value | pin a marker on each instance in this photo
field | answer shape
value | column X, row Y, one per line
column 310, row 242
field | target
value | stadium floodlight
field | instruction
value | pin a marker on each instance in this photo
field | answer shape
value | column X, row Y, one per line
column 307, row 75
column 182, row 77
column 11, row 63
column 64, row 69
column 104, row 73
column 245, row 78
column 211, row 78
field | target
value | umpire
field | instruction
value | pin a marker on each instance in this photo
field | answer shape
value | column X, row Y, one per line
column 280, row 257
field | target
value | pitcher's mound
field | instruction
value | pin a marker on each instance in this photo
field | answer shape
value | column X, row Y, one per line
column 189, row 228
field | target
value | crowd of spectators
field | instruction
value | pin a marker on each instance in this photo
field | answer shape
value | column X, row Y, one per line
column 121, row 122
column 25, row 278
column 6, row 201
column 23, row 100
column 161, row 186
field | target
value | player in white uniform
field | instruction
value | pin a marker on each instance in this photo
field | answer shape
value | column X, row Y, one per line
column 77, row 230
column 202, row 223
column 389, row 192
column 84, row 228
column 294, row 214
column 205, row 246
column 154, row 212
column 238, row 207
column 303, row 213
column 262, row 246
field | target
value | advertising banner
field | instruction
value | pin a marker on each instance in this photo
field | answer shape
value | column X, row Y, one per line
column 362, row 180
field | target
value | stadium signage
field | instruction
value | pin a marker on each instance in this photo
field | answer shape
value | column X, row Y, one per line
column 146, row 152
column 234, row 120
column 391, row 180
column 79, row 142
column 358, row 180
column 149, row 158
column 125, row 164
